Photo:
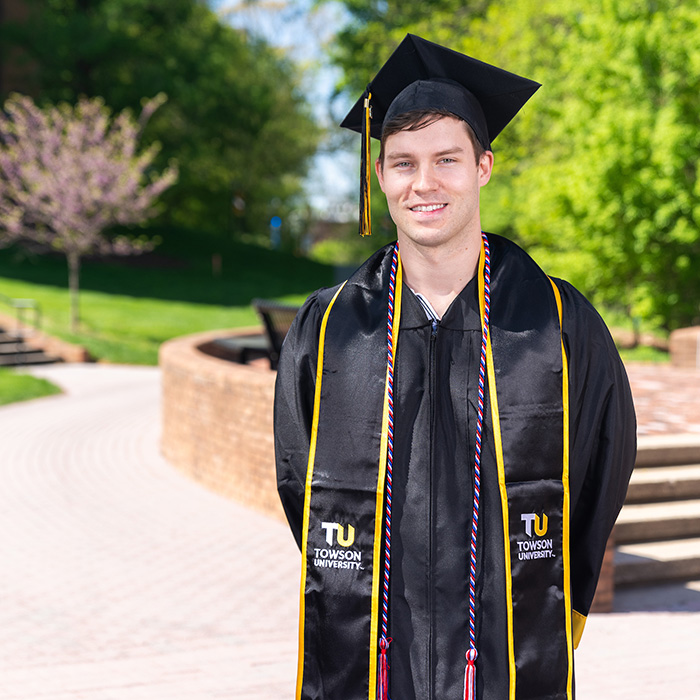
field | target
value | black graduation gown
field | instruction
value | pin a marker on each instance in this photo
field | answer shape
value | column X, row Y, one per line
column 435, row 403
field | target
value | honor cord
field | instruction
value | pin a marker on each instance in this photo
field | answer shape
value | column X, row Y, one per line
column 383, row 690
column 472, row 653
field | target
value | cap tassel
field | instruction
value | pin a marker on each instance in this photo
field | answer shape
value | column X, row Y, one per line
column 365, row 172
column 470, row 675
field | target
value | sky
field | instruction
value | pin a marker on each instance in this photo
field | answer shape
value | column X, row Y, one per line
column 303, row 28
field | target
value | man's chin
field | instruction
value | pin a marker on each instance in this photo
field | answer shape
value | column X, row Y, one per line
column 424, row 238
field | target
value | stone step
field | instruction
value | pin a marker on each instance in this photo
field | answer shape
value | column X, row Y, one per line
column 668, row 450
column 8, row 338
column 646, row 522
column 12, row 336
column 11, row 348
column 653, row 484
column 33, row 358
column 657, row 561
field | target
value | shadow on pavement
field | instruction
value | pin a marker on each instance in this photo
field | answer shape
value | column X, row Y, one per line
column 668, row 597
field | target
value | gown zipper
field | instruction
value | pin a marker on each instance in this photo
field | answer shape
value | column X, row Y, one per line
column 431, row 510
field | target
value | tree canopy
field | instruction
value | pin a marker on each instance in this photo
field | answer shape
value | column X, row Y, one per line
column 598, row 175
column 377, row 26
column 235, row 121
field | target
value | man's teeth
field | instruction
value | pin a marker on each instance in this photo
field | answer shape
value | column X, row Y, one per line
column 428, row 207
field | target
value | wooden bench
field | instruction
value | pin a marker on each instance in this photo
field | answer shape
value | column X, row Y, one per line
column 276, row 319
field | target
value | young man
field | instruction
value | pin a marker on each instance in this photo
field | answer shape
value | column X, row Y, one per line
column 454, row 429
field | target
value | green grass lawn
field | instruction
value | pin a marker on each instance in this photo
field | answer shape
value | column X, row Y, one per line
column 129, row 307
column 644, row 353
column 21, row 387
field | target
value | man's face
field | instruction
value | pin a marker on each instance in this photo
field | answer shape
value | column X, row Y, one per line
column 431, row 181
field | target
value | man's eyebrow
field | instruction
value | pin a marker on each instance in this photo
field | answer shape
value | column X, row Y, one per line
column 396, row 155
column 449, row 151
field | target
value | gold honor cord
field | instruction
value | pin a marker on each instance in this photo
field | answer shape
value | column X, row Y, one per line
column 307, row 490
column 567, row 505
column 498, row 444
column 379, row 508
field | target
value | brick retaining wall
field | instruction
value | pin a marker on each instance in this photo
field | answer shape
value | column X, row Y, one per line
column 684, row 346
column 217, row 421
column 217, row 428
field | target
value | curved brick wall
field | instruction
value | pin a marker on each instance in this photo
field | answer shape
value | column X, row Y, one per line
column 217, row 421
column 217, row 427
column 685, row 347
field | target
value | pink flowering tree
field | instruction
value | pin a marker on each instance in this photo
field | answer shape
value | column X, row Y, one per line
column 68, row 173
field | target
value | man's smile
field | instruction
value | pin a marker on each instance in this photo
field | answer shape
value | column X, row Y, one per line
column 428, row 207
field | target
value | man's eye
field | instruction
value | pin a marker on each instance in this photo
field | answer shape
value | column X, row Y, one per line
column 447, row 160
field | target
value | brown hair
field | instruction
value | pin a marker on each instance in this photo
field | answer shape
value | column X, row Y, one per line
column 419, row 119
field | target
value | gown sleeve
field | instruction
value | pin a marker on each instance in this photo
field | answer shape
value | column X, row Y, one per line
column 293, row 410
column 603, row 442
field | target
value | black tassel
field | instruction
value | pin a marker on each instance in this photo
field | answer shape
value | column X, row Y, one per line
column 365, row 172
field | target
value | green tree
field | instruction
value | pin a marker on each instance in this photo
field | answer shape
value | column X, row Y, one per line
column 598, row 175
column 235, row 120
column 608, row 194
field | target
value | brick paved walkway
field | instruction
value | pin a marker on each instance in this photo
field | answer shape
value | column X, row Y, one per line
column 120, row 579
column 667, row 399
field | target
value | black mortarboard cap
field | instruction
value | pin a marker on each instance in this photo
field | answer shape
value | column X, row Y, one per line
column 423, row 75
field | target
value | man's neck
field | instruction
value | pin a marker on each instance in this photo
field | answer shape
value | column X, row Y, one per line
column 441, row 273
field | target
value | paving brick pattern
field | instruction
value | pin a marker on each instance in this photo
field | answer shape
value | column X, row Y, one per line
column 667, row 399
column 121, row 579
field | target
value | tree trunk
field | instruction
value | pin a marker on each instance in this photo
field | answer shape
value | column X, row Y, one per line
column 636, row 327
column 74, row 287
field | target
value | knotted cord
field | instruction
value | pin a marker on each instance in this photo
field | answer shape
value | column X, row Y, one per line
column 472, row 653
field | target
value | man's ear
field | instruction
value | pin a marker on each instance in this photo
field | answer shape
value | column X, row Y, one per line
column 485, row 167
column 378, row 168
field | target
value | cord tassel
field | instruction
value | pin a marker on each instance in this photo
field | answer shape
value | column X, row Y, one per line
column 365, row 170
column 383, row 690
column 470, row 675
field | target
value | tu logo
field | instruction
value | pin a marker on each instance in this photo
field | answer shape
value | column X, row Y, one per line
column 540, row 524
column 339, row 531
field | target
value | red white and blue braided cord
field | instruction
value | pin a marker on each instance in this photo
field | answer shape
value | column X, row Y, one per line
column 472, row 653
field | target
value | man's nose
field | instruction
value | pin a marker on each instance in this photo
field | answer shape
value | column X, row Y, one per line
column 424, row 180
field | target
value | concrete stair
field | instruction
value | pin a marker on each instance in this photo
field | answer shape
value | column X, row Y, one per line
column 654, row 484
column 650, row 522
column 15, row 352
column 654, row 562
column 657, row 534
